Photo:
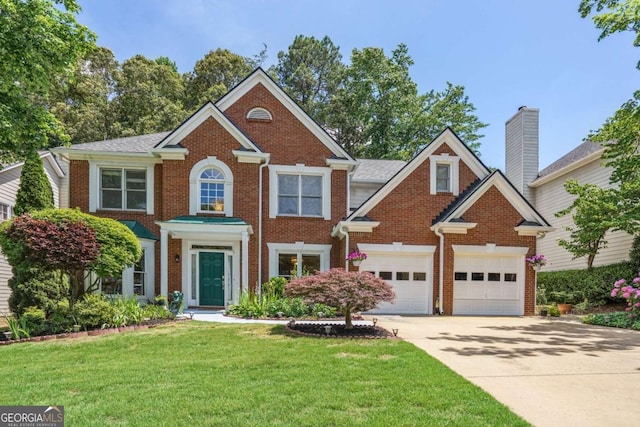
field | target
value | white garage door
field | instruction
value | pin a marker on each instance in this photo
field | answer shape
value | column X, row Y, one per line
column 411, row 278
column 488, row 285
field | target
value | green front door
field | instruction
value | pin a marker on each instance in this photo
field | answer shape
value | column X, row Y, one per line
column 211, row 278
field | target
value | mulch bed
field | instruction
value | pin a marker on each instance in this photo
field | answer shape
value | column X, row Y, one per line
column 338, row 330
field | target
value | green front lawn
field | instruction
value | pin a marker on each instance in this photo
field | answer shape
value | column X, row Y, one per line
column 208, row 374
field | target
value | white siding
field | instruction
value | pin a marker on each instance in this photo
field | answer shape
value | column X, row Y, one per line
column 521, row 150
column 551, row 197
column 360, row 191
column 9, row 184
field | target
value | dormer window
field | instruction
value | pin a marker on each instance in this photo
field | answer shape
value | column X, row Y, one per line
column 444, row 174
column 259, row 114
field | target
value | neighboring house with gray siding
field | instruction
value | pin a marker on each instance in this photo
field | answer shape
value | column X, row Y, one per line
column 9, row 184
column 545, row 189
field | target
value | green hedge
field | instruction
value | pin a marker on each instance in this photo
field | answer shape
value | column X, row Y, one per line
column 594, row 285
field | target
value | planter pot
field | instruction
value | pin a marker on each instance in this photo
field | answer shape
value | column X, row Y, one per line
column 565, row 308
column 356, row 263
column 543, row 312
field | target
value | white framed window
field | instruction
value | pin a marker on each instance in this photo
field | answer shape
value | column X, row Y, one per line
column 443, row 177
column 299, row 191
column 5, row 212
column 211, row 187
column 123, row 189
column 298, row 259
column 140, row 276
column 136, row 280
column 444, row 174
column 121, row 185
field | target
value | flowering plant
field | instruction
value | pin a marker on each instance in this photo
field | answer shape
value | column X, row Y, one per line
column 537, row 261
column 356, row 256
column 629, row 292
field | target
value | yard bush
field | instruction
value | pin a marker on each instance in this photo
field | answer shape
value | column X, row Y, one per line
column 94, row 311
column 34, row 288
column 620, row 319
column 592, row 285
column 33, row 320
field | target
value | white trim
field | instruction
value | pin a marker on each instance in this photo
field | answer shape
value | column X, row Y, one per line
column 298, row 248
column 250, row 156
column 516, row 200
column 299, row 169
column 353, row 227
column 76, row 154
column 47, row 155
column 94, row 183
column 454, row 171
column 206, row 111
column 489, row 249
column 164, row 262
column 454, row 227
column 532, row 230
column 260, row 77
column 446, row 137
column 570, row 167
column 342, row 164
column 397, row 248
column 170, row 153
column 194, row 187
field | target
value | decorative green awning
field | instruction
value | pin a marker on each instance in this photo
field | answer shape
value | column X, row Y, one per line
column 139, row 230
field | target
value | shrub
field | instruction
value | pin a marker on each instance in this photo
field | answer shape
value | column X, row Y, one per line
column 634, row 253
column 553, row 311
column 61, row 319
column 274, row 287
column 593, row 285
column 34, row 288
column 618, row 319
column 323, row 310
column 33, row 321
column 94, row 311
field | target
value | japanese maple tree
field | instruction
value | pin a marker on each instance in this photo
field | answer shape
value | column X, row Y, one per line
column 348, row 291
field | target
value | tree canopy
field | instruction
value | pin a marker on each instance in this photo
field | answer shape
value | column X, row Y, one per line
column 41, row 41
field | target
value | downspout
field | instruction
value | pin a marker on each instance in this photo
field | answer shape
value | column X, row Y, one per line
column 349, row 176
column 260, row 213
column 344, row 231
column 438, row 233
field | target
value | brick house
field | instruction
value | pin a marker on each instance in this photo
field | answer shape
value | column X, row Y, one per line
column 251, row 187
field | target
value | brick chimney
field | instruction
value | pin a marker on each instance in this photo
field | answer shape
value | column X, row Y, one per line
column 521, row 150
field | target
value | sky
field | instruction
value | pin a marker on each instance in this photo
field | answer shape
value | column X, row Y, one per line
column 506, row 53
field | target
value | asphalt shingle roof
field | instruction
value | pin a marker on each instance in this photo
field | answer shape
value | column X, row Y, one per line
column 131, row 144
column 377, row 170
column 580, row 152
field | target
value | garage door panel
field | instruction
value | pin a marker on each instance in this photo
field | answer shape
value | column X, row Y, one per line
column 410, row 278
column 491, row 285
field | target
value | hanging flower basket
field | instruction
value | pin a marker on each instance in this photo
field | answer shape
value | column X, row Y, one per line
column 537, row 261
column 356, row 257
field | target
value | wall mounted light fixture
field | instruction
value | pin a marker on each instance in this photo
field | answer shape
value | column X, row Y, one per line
column 177, row 257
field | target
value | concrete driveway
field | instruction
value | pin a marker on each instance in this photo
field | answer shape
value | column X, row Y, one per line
column 551, row 372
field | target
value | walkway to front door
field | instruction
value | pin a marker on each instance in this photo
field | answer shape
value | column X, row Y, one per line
column 211, row 278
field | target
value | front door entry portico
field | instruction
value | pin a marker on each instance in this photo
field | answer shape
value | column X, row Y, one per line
column 211, row 278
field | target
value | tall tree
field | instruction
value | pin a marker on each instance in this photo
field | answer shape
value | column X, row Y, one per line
column 41, row 41
column 593, row 212
column 214, row 75
column 613, row 16
column 84, row 103
column 310, row 72
column 149, row 96
column 34, row 192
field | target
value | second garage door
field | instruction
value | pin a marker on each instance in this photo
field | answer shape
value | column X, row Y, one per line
column 488, row 285
column 411, row 278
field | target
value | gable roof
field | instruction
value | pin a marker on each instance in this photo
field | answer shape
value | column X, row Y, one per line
column 476, row 190
column 196, row 119
column 583, row 153
column 259, row 76
column 447, row 136
column 130, row 144
column 45, row 155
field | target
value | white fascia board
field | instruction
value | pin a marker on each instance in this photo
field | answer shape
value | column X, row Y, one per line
column 111, row 155
column 454, row 227
column 569, row 168
column 342, row 164
column 260, row 77
column 251, row 156
column 515, row 199
column 532, row 230
column 354, row 227
column 170, row 153
column 397, row 248
column 447, row 137
column 206, row 111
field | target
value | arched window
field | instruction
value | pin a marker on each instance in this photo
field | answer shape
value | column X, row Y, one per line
column 211, row 188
